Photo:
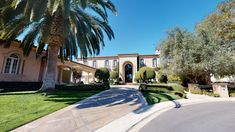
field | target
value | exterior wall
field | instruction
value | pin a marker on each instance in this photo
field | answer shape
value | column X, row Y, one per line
column 127, row 60
column 29, row 67
column 122, row 60
column 33, row 70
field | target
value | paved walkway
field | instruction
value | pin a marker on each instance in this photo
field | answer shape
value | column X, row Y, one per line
column 90, row 114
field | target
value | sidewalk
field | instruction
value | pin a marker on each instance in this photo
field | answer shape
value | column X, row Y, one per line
column 134, row 121
column 90, row 114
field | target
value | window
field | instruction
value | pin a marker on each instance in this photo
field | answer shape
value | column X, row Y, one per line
column 155, row 62
column 94, row 64
column 85, row 62
column 142, row 63
column 12, row 64
column 106, row 63
column 115, row 64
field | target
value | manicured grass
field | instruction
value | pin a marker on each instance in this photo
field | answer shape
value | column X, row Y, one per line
column 157, row 95
column 18, row 108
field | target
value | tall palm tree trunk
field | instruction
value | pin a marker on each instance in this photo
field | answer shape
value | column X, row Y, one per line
column 55, row 41
column 49, row 79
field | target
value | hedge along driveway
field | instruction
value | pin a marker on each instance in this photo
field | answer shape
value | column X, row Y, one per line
column 18, row 108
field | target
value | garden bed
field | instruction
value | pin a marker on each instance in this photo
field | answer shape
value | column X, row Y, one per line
column 163, row 92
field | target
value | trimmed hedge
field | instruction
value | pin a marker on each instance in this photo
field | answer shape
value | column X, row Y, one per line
column 34, row 86
column 202, row 89
column 20, row 86
column 144, row 86
column 83, row 87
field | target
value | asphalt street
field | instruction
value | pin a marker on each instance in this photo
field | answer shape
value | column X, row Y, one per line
column 207, row 117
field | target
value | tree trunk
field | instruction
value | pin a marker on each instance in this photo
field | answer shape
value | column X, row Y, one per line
column 55, row 40
column 49, row 79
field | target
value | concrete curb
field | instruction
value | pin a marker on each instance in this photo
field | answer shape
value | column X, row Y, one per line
column 134, row 121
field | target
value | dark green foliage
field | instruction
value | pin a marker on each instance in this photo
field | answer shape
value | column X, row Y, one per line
column 102, row 74
column 163, row 92
column 114, row 75
column 20, row 86
column 145, row 74
column 76, row 28
column 163, row 79
column 137, row 77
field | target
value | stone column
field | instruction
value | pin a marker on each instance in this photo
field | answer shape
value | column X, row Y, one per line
column 221, row 89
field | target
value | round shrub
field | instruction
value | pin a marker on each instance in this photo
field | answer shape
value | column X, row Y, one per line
column 102, row 74
column 137, row 77
column 147, row 73
column 163, row 79
column 114, row 75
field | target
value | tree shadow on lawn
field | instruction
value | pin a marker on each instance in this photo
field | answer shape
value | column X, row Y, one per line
column 70, row 97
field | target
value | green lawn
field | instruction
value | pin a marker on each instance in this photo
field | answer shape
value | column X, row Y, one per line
column 18, row 108
column 157, row 95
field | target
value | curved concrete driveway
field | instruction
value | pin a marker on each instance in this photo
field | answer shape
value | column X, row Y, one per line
column 91, row 113
column 207, row 117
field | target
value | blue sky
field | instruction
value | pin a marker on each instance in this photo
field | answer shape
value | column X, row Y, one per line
column 142, row 24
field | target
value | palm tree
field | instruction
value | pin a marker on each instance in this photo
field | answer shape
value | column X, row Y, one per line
column 61, row 26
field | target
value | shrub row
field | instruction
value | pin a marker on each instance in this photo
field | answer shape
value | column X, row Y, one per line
column 34, row 86
column 19, row 86
column 163, row 88
column 202, row 89
column 144, row 86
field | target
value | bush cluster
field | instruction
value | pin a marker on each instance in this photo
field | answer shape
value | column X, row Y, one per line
column 163, row 79
column 102, row 74
column 145, row 74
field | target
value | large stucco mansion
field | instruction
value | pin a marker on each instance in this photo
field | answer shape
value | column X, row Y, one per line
column 14, row 67
column 127, row 64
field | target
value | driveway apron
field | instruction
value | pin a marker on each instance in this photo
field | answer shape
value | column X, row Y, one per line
column 90, row 114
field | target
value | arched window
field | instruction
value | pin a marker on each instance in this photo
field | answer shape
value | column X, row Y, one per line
column 12, row 64
column 106, row 63
column 155, row 62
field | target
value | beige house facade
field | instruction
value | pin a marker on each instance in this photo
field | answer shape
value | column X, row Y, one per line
column 15, row 67
column 126, row 64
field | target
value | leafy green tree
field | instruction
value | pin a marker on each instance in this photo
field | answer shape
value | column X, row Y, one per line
column 221, row 24
column 195, row 57
column 63, row 26
column 102, row 74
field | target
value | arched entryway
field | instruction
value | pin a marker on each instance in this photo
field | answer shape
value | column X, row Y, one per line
column 128, row 73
